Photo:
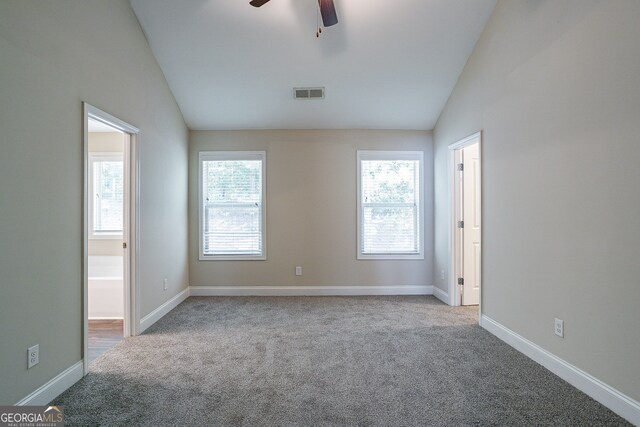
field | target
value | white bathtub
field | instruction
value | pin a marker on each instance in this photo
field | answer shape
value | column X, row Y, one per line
column 106, row 287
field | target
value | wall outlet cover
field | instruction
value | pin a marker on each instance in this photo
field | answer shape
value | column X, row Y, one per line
column 33, row 356
column 559, row 327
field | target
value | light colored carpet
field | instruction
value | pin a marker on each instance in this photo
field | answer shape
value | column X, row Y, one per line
column 323, row 361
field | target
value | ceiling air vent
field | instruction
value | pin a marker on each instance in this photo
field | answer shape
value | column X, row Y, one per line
column 308, row 92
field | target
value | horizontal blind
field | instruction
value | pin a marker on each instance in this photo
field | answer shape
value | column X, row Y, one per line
column 232, row 217
column 108, row 193
column 390, row 202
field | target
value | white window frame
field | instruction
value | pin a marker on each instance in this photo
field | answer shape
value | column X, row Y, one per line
column 102, row 157
column 232, row 155
column 363, row 155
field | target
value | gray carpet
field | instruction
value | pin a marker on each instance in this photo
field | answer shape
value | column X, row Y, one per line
column 323, row 361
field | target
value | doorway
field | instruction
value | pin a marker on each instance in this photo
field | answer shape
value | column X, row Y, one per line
column 466, row 221
column 109, row 310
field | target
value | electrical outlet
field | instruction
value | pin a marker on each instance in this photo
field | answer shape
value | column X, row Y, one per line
column 559, row 327
column 33, row 356
column 442, row 274
column 298, row 271
column 165, row 284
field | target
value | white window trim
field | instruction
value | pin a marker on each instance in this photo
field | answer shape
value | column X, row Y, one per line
column 232, row 155
column 101, row 157
column 390, row 155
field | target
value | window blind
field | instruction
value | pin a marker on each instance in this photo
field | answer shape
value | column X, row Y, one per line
column 108, row 196
column 232, row 207
column 389, row 207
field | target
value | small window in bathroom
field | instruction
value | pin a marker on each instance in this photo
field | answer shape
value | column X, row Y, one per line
column 106, row 198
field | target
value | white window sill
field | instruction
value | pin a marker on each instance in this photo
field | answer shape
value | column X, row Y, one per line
column 106, row 236
column 233, row 258
column 380, row 257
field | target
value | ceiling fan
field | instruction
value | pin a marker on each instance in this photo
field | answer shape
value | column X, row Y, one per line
column 327, row 9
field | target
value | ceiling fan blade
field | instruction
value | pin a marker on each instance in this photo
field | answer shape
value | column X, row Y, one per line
column 257, row 3
column 328, row 11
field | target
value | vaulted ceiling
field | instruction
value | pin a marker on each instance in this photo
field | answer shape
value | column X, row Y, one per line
column 385, row 65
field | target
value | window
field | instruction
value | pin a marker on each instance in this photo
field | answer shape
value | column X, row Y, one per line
column 232, row 211
column 390, row 211
column 106, row 201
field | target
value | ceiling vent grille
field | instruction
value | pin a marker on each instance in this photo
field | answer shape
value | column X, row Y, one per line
column 308, row 93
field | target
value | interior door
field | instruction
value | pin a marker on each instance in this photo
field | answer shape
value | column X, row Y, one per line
column 471, row 228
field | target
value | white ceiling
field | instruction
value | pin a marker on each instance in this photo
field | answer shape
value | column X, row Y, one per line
column 385, row 65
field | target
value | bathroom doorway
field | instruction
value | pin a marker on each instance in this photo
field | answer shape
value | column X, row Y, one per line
column 108, row 261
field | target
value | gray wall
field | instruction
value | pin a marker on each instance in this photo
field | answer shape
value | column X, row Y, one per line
column 555, row 86
column 311, row 209
column 54, row 56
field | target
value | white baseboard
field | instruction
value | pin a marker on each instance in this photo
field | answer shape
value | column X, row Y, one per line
column 159, row 312
column 618, row 402
column 441, row 295
column 54, row 387
column 71, row 375
column 309, row 290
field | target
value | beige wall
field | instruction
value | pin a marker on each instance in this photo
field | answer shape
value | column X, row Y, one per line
column 311, row 209
column 54, row 56
column 555, row 86
column 105, row 142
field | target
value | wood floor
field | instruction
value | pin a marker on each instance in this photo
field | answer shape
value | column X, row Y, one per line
column 103, row 334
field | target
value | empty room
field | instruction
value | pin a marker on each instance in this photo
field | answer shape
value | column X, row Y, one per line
column 319, row 212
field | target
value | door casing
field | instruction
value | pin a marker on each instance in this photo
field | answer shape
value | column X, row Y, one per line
column 131, row 225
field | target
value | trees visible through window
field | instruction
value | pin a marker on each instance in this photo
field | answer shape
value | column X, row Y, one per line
column 232, row 205
column 389, row 205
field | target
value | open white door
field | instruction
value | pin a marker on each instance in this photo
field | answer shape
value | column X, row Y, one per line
column 471, row 224
column 466, row 225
